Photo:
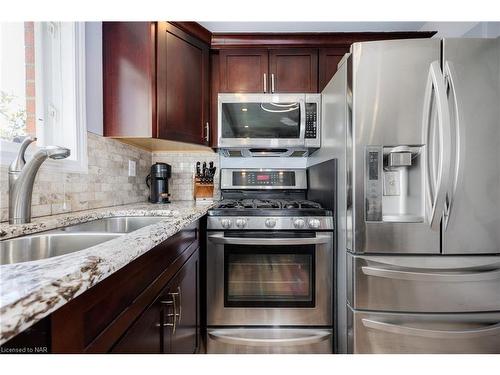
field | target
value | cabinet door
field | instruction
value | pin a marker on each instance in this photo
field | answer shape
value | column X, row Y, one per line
column 243, row 70
column 145, row 334
column 293, row 70
column 328, row 61
column 183, row 337
column 214, row 93
column 129, row 85
column 183, row 85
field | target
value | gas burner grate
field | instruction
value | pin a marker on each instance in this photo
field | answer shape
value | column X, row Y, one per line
column 282, row 204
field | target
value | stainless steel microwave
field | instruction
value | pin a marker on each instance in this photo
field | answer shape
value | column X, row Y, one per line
column 269, row 121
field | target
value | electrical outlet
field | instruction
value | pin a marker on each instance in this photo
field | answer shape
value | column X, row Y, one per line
column 131, row 168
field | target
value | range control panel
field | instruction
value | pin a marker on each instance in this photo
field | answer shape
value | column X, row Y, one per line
column 264, row 178
column 311, row 120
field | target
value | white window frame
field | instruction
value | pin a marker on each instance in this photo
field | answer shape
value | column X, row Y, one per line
column 59, row 60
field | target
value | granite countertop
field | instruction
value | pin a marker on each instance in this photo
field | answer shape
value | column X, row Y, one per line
column 30, row 291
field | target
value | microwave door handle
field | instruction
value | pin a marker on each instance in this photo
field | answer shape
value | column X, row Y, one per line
column 435, row 82
column 302, row 130
column 220, row 239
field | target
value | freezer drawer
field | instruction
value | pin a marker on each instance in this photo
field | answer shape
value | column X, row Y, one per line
column 423, row 333
column 269, row 341
column 424, row 283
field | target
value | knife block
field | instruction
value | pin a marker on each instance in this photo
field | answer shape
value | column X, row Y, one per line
column 202, row 190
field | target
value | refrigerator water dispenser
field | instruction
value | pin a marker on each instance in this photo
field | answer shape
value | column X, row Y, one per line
column 394, row 189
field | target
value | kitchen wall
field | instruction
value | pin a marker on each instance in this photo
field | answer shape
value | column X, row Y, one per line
column 463, row 29
column 183, row 165
column 106, row 184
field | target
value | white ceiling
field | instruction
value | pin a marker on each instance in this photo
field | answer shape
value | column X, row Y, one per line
column 270, row 27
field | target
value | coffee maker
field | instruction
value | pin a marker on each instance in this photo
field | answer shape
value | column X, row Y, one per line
column 157, row 182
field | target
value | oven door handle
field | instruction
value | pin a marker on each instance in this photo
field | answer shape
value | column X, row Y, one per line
column 237, row 337
column 220, row 239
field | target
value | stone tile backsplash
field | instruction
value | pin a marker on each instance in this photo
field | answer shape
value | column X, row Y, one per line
column 106, row 184
column 183, row 165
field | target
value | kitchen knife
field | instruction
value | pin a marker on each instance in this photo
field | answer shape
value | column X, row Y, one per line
column 204, row 170
column 212, row 174
column 198, row 169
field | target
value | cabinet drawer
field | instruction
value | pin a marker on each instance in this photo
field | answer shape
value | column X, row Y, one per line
column 424, row 283
column 424, row 333
column 269, row 341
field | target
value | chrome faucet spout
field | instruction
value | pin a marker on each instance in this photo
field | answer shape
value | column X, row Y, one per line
column 20, row 160
column 22, row 178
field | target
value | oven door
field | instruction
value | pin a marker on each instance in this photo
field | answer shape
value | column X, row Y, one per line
column 261, row 120
column 269, row 278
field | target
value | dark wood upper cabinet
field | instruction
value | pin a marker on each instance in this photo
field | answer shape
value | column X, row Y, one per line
column 183, row 85
column 214, row 92
column 129, row 86
column 243, row 70
column 156, row 82
column 328, row 61
column 293, row 70
column 261, row 70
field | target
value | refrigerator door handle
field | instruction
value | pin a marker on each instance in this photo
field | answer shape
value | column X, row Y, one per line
column 435, row 84
column 429, row 276
column 449, row 74
column 492, row 329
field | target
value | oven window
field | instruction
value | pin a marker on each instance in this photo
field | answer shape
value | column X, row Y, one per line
column 261, row 120
column 269, row 276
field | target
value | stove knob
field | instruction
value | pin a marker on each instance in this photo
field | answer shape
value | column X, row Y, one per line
column 299, row 223
column 240, row 223
column 314, row 223
column 226, row 223
column 270, row 223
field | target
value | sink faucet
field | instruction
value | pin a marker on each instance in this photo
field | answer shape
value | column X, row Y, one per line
column 22, row 177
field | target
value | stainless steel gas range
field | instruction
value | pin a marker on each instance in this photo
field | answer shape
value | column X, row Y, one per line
column 269, row 266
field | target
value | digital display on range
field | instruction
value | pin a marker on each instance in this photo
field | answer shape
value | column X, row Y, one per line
column 258, row 178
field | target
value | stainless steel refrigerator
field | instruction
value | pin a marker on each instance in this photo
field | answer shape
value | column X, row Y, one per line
column 415, row 126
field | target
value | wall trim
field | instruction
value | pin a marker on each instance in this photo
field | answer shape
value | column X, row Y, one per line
column 317, row 40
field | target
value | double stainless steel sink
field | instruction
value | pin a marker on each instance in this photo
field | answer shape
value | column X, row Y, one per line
column 70, row 239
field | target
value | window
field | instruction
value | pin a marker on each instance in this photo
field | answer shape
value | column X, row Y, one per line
column 42, row 89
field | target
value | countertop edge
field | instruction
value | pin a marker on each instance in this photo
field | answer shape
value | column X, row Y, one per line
column 41, row 300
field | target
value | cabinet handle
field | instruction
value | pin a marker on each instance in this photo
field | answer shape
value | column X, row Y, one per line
column 169, row 303
column 207, row 132
column 175, row 315
column 180, row 304
column 265, row 82
column 272, row 82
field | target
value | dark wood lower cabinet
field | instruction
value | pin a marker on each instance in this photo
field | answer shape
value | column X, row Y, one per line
column 151, row 305
column 144, row 337
column 171, row 323
column 181, row 318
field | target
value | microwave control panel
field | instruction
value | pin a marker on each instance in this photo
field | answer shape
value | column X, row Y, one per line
column 311, row 120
